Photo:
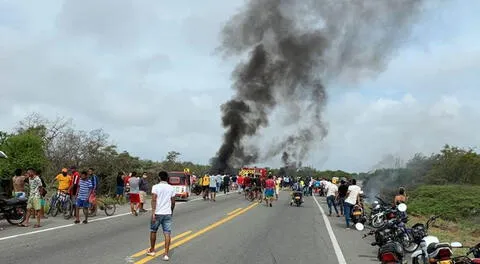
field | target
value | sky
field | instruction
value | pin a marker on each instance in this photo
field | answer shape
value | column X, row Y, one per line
column 147, row 73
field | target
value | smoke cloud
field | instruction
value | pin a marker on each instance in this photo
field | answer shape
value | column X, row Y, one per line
column 294, row 49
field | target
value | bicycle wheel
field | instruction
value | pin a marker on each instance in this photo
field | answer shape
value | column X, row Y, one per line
column 53, row 200
column 109, row 209
column 56, row 208
column 91, row 211
column 67, row 209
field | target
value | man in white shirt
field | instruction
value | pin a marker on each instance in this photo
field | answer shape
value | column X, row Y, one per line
column 332, row 192
column 352, row 198
column 213, row 187
column 163, row 203
column 218, row 179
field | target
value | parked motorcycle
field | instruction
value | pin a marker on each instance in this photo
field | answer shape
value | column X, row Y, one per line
column 381, row 212
column 390, row 249
column 13, row 210
column 358, row 214
column 465, row 259
column 431, row 251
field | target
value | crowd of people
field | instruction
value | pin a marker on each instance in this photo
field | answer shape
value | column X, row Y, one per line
column 80, row 187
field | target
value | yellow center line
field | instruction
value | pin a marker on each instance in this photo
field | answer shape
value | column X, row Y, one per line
column 194, row 235
column 234, row 211
column 161, row 244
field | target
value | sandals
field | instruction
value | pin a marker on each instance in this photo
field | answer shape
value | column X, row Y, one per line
column 23, row 225
column 37, row 226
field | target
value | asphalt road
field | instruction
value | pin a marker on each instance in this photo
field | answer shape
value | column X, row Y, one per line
column 230, row 230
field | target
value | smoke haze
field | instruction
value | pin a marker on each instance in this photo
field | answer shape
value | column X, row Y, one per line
column 295, row 49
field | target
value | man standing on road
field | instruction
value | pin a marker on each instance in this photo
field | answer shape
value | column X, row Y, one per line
column 34, row 199
column 226, row 184
column 332, row 192
column 85, row 188
column 143, row 192
column 134, row 193
column 213, row 187
column 269, row 190
column 205, row 182
column 352, row 198
column 218, row 180
column 163, row 203
column 342, row 194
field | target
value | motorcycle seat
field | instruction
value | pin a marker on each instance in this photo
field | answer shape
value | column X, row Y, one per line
column 393, row 247
column 434, row 246
column 13, row 201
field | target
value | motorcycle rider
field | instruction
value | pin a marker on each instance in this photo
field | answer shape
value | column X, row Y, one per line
column 297, row 190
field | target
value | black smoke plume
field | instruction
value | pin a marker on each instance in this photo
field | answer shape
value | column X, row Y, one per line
column 295, row 49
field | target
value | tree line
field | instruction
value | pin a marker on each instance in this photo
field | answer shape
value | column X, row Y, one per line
column 51, row 144
column 452, row 165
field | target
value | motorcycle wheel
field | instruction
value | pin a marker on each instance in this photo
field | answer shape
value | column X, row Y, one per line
column 18, row 216
column 408, row 244
column 378, row 222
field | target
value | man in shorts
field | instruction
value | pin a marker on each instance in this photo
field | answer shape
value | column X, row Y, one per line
column 213, row 187
column 85, row 188
column 34, row 199
column 134, row 193
column 19, row 184
column 163, row 203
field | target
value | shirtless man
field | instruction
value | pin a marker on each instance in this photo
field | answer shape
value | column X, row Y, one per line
column 19, row 184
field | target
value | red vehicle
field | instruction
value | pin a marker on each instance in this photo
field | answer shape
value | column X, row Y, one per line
column 261, row 172
column 181, row 182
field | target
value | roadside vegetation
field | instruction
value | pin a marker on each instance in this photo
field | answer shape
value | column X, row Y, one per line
column 445, row 184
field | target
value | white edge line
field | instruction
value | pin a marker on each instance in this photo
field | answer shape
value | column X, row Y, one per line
column 93, row 220
column 336, row 246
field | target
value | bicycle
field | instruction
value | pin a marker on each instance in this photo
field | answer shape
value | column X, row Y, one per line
column 61, row 202
column 108, row 207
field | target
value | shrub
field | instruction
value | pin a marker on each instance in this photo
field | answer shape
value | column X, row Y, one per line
column 452, row 202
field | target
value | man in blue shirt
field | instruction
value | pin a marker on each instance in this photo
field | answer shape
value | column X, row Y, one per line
column 85, row 188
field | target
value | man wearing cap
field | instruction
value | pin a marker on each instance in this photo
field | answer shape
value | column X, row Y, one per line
column 64, row 181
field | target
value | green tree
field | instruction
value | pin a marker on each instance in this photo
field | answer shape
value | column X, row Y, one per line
column 24, row 150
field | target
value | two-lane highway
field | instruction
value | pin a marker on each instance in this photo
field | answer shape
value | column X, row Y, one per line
column 230, row 230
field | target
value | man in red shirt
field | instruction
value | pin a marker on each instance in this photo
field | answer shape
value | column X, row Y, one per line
column 269, row 190
column 73, row 190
